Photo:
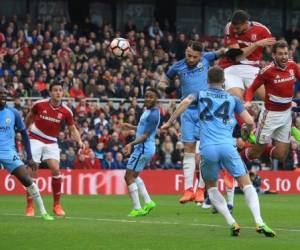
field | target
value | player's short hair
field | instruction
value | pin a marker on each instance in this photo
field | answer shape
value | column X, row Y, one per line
column 195, row 45
column 279, row 44
column 215, row 75
column 153, row 90
column 55, row 83
column 239, row 17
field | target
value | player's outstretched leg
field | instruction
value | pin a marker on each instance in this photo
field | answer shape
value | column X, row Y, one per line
column 188, row 172
column 149, row 204
column 130, row 177
column 219, row 202
column 23, row 176
column 252, row 201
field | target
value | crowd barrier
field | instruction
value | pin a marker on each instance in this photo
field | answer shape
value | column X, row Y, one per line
column 111, row 182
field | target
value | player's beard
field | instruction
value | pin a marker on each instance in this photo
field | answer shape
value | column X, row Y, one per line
column 2, row 104
column 282, row 63
column 150, row 104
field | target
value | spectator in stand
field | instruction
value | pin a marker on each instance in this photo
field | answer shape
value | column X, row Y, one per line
column 99, row 152
column 119, row 162
column 86, row 151
column 108, row 161
column 154, row 30
column 64, row 162
column 92, row 162
column 71, row 155
column 80, row 162
column 62, row 142
column 76, row 91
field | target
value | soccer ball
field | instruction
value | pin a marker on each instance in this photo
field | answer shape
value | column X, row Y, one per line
column 119, row 47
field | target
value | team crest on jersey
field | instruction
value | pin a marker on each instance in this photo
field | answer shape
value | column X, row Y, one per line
column 199, row 65
column 59, row 116
column 44, row 111
column 7, row 120
column 291, row 72
column 253, row 37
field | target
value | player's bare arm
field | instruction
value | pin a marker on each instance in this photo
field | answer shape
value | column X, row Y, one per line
column 76, row 136
column 179, row 110
column 29, row 119
column 128, row 148
column 249, row 122
column 248, row 50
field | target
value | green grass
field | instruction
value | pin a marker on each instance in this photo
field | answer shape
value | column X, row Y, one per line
column 101, row 222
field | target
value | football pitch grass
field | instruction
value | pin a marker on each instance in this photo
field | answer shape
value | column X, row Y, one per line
column 101, row 222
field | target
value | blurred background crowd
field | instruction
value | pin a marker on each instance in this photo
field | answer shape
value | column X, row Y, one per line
column 103, row 90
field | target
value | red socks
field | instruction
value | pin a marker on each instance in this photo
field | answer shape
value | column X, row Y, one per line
column 56, row 188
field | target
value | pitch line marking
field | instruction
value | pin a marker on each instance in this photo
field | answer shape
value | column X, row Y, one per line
column 151, row 222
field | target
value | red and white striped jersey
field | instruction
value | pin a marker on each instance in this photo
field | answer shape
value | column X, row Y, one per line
column 279, row 85
column 256, row 32
column 48, row 120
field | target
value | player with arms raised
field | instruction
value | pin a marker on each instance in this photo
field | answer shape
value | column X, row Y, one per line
column 249, row 38
column 192, row 72
column 143, row 149
column 44, row 122
column 275, row 121
column 10, row 120
column 216, row 112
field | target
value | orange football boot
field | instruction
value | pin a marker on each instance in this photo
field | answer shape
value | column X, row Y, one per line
column 187, row 196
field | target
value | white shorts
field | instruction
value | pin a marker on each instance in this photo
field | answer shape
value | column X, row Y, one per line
column 274, row 125
column 42, row 151
column 240, row 76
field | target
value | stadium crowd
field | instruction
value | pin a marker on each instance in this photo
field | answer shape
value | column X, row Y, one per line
column 33, row 54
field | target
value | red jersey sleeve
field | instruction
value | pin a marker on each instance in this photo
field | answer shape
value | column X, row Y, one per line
column 297, row 72
column 258, row 81
column 265, row 33
column 34, row 108
column 69, row 118
column 229, row 38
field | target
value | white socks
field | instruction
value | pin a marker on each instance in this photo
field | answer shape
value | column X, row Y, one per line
column 188, row 170
column 219, row 202
column 142, row 189
column 252, row 201
column 34, row 192
column 201, row 183
column 230, row 196
column 134, row 195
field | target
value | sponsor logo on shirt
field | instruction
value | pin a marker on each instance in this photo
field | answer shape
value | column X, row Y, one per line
column 286, row 79
column 51, row 119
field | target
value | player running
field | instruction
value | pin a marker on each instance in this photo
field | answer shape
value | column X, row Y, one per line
column 250, row 37
column 10, row 120
column 192, row 72
column 44, row 122
column 143, row 149
column 275, row 121
column 216, row 111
